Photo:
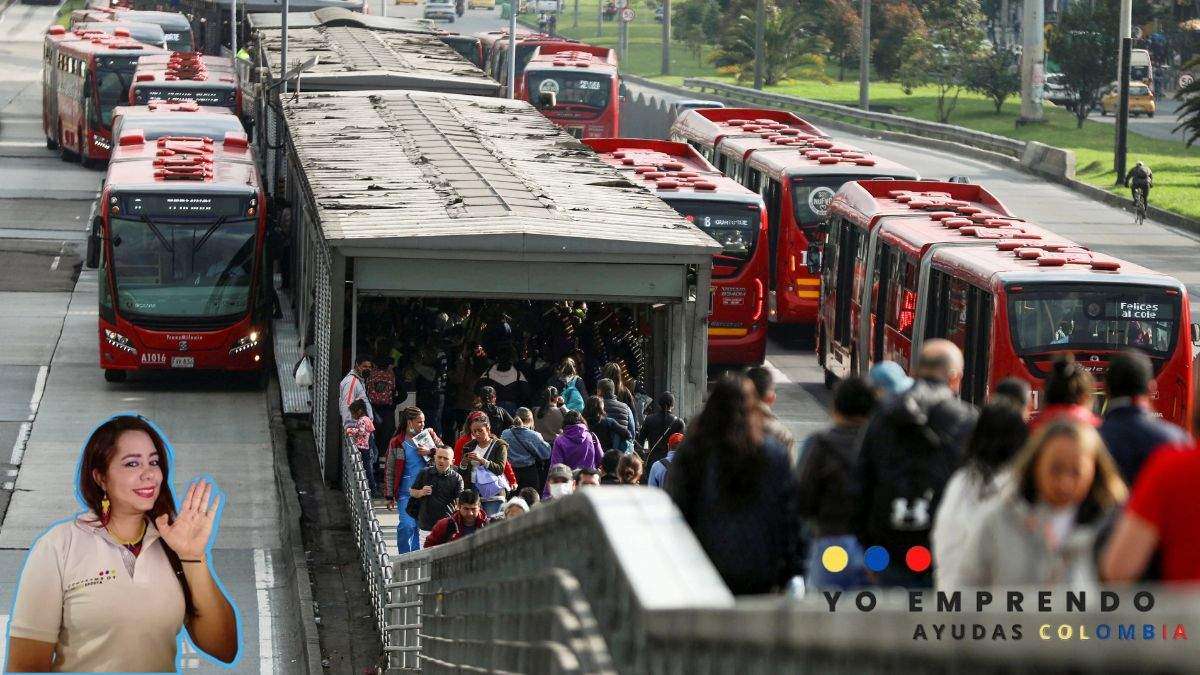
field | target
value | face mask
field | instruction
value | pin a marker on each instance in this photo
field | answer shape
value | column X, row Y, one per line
column 560, row 489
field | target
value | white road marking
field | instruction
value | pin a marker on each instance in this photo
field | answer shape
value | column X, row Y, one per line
column 35, row 401
column 61, row 250
column 39, row 387
column 18, row 450
column 264, row 580
column 777, row 373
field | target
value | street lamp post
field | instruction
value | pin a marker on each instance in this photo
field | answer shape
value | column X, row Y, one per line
column 666, row 38
column 1125, row 44
column 760, row 18
column 864, row 59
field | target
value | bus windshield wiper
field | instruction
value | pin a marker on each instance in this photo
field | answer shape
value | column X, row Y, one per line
column 169, row 246
column 208, row 234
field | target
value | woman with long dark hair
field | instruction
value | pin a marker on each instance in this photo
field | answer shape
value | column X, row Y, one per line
column 608, row 430
column 548, row 415
column 736, row 489
column 1069, row 391
column 110, row 589
column 999, row 434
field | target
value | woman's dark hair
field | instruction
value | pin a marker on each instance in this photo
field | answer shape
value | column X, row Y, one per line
column 593, row 411
column 98, row 454
column 610, row 461
column 530, row 496
column 725, row 436
column 546, row 398
column 572, row 417
column 853, row 397
column 358, row 407
column 666, row 401
column 629, row 469
column 614, row 372
column 411, row 413
column 999, row 434
column 1069, row 383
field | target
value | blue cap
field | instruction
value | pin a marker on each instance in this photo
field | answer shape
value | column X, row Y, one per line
column 889, row 376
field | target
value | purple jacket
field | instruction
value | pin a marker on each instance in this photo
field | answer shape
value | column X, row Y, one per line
column 576, row 447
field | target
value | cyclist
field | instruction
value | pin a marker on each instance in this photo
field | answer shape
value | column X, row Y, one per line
column 1139, row 180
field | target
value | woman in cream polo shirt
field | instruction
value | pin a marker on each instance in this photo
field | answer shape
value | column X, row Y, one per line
column 110, row 589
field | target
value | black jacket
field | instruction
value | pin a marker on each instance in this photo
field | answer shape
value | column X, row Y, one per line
column 826, row 480
column 655, row 431
column 440, row 502
column 908, row 452
column 1131, row 434
column 608, row 430
column 753, row 539
column 621, row 413
column 498, row 418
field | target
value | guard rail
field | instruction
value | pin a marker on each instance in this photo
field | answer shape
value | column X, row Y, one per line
column 373, row 555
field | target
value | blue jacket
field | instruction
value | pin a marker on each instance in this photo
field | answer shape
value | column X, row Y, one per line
column 1132, row 433
column 414, row 464
column 658, row 470
column 525, row 446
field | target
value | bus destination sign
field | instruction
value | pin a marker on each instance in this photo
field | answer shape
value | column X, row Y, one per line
column 186, row 205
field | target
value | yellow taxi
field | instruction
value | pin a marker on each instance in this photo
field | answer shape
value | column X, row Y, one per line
column 1141, row 100
column 406, row 2
column 481, row 4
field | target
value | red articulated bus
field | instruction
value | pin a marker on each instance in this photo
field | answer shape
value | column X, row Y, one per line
column 946, row 261
column 180, row 232
column 207, row 80
column 85, row 76
column 877, row 235
column 731, row 214
column 495, row 50
column 797, row 172
column 576, row 86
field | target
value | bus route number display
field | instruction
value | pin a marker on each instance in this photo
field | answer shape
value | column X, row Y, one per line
column 191, row 205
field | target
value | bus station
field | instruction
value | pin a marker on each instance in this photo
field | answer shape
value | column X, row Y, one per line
column 482, row 211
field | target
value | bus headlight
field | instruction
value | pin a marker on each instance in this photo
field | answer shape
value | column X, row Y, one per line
column 119, row 341
column 246, row 343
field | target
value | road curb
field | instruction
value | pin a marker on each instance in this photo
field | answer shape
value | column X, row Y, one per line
column 1092, row 192
column 293, row 543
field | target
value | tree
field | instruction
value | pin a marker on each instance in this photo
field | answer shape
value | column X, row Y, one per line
column 789, row 47
column 1189, row 112
column 891, row 22
column 842, row 26
column 696, row 23
column 1084, row 44
column 995, row 76
column 945, row 54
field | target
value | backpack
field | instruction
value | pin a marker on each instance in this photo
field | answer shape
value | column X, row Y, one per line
column 381, row 388
column 572, row 399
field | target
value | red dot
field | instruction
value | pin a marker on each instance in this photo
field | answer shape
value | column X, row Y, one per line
column 918, row 559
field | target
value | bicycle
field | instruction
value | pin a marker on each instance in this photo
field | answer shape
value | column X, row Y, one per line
column 1139, row 207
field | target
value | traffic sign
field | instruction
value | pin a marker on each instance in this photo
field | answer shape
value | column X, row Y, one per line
column 627, row 15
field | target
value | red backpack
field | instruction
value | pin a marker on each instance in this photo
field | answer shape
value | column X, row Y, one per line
column 381, row 388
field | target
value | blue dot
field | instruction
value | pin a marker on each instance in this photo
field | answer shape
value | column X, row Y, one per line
column 877, row 558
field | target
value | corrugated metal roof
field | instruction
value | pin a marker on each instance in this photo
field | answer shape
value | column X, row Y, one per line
column 363, row 58
column 402, row 168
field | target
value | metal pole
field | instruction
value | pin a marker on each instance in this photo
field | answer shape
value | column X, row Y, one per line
column 599, row 18
column 512, row 48
column 233, row 29
column 1032, row 58
column 864, row 59
column 283, row 50
column 278, row 151
column 666, row 38
column 1123, row 114
column 760, row 17
column 575, row 20
column 383, row 7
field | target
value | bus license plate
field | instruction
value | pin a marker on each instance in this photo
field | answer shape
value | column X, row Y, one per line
column 183, row 362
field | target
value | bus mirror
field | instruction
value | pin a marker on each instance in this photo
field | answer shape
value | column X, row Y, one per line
column 547, row 99
column 813, row 260
column 1196, row 333
column 93, row 244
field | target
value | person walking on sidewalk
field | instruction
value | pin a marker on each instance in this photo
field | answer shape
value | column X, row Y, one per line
column 436, row 488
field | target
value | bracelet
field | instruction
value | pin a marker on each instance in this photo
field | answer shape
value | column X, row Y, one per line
column 192, row 560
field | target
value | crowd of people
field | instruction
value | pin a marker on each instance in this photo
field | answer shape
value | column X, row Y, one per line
column 958, row 497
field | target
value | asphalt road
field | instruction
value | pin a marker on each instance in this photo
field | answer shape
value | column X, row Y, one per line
column 1161, row 126
column 52, row 392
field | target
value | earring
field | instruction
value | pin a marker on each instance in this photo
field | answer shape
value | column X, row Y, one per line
column 104, row 506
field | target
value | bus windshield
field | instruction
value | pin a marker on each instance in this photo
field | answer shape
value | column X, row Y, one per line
column 571, row 87
column 734, row 226
column 192, row 269
column 178, row 39
column 1093, row 318
column 113, row 77
column 811, row 197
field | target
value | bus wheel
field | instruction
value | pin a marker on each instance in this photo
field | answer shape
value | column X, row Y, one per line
column 114, row 375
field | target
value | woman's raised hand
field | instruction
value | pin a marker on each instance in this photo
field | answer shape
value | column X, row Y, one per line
column 188, row 535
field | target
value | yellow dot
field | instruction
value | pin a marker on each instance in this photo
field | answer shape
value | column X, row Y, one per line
column 835, row 559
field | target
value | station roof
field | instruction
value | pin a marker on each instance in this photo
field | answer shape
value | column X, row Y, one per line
column 354, row 58
column 989, row 265
column 421, row 170
column 336, row 17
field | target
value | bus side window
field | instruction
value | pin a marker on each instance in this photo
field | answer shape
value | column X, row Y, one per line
column 978, row 350
column 939, row 298
column 755, row 179
column 829, row 255
column 903, row 301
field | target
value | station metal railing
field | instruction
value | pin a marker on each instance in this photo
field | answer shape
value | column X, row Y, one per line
column 373, row 555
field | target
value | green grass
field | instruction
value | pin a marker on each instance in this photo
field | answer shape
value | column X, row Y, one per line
column 63, row 17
